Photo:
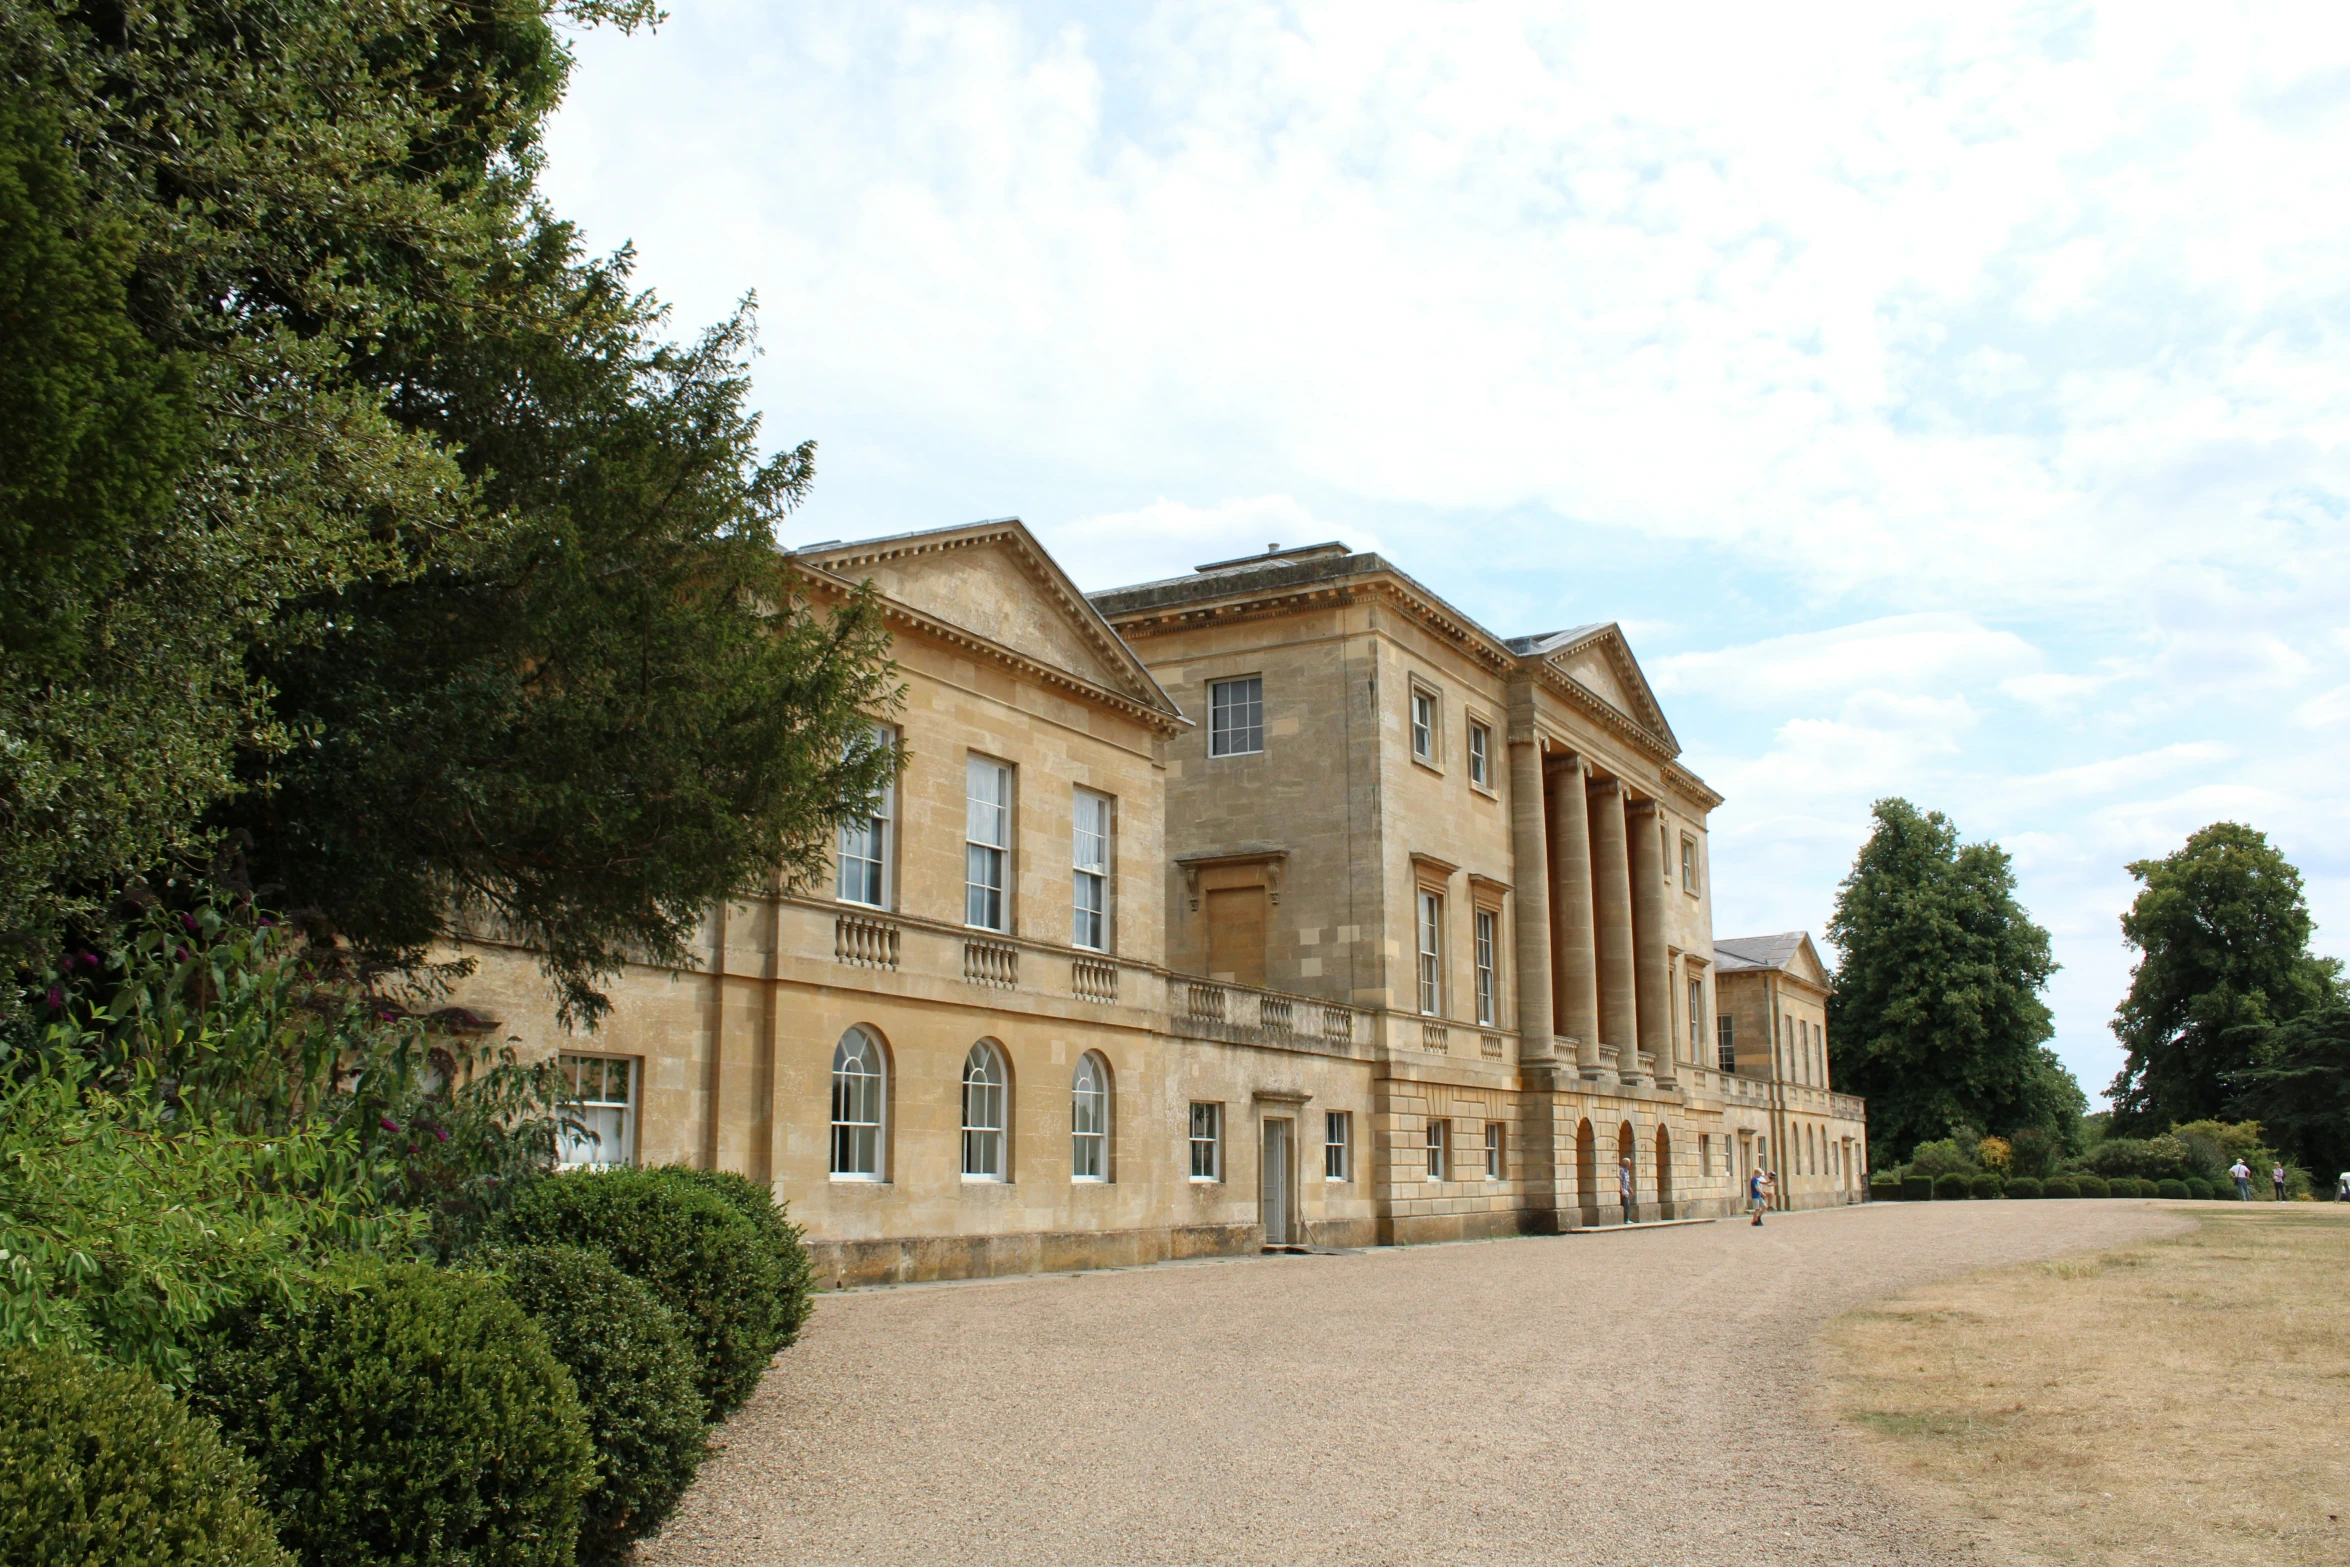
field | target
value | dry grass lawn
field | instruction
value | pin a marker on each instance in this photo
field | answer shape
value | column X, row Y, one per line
column 2185, row 1401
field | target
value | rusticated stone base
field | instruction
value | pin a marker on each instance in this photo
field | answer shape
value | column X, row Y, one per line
column 924, row 1258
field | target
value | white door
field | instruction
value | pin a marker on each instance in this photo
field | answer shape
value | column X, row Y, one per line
column 1274, row 1185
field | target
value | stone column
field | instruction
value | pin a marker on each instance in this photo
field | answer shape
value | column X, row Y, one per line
column 1653, row 977
column 1611, row 882
column 1573, row 966
column 1532, row 899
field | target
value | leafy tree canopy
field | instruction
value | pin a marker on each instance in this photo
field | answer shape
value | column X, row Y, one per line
column 1936, row 1000
column 2222, row 934
column 2300, row 1090
column 401, row 540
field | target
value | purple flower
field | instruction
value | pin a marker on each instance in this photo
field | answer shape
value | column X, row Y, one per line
column 268, row 924
column 179, row 954
column 443, row 1136
column 411, row 1150
column 56, row 998
column 90, row 960
column 387, row 1123
column 188, row 923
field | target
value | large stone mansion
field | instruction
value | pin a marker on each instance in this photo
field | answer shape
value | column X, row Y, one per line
column 1280, row 904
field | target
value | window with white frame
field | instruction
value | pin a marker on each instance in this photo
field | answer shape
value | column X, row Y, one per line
column 860, row 1097
column 1338, row 1145
column 1423, row 724
column 602, row 1128
column 987, row 848
column 1480, row 755
column 865, row 841
column 1726, row 1042
column 1236, row 716
column 986, row 1112
column 1488, row 976
column 1688, row 864
column 1431, row 952
column 1696, row 1018
column 1089, row 1120
column 1439, row 1135
column 1090, row 890
column 1207, row 1142
column 1493, row 1150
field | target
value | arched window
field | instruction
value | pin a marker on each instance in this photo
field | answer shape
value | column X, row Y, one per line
column 1089, row 1119
column 984, row 1113
column 859, row 1092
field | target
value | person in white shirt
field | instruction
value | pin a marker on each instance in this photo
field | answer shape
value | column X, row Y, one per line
column 2241, row 1174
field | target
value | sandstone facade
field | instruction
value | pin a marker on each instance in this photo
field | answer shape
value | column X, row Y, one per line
column 1277, row 904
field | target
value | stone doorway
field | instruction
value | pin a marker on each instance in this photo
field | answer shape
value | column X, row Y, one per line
column 1277, row 1182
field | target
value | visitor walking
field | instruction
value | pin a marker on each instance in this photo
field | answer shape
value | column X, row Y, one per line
column 2342, row 1187
column 2276, row 1178
column 2241, row 1174
column 1624, row 1188
column 1758, row 1195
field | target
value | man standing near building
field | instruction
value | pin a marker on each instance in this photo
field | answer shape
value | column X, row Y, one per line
column 1624, row 1188
column 2241, row 1174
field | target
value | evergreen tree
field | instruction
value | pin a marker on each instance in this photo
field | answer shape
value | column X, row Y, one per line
column 2300, row 1090
column 2222, row 935
column 1936, row 1005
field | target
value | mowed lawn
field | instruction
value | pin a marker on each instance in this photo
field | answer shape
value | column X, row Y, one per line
column 2181, row 1401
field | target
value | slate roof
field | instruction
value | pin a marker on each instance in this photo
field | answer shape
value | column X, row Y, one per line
column 1734, row 953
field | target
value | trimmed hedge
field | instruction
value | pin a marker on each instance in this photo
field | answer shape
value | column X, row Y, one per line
column 1884, row 1188
column 2060, row 1186
column 707, row 1263
column 2148, row 1188
column 1917, row 1188
column 2198, row 1188
column 2023, row 1187
column 635, row 1378
column 100, row 1467
column 412, row 1416
column 1984, row 1185
column 757, row 1204
column 2176, row 1191
column 1952, row 1187
column 2091, row 1185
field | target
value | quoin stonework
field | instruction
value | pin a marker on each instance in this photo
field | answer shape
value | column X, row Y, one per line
column 1279, row 904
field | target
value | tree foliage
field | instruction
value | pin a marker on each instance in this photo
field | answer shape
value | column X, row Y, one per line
column 2222, row 934
column 1936, row 1000
column 2300, row 1090
column 412, row 549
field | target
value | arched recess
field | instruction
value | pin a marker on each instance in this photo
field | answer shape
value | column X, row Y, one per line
column 1587, row 1170
column 1664, row 1171
column 860, row 1106
column 1092, row 1119
column 1628, row 1153
column 987, row 1113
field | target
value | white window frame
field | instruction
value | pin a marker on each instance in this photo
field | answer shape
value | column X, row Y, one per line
column 1338, row 1145
column 1429, row 946
column 1206, row 1141
column 1480, row 754
column 865, row 848
column 1089, row 1119
column 987, row 1114
column 1424, row 717
column 1493, row 1150
column 987, row 843
column 1691, row 882
column 1485, row 926
column 1726, row 1043
column 1236, row 716
column 1439, row 1149
column 1092, row 822
column 590, row 1148
column 1696, row 1018
column 860, row 1108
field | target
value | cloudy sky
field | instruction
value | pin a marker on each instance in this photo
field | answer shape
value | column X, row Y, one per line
column 1949, row 404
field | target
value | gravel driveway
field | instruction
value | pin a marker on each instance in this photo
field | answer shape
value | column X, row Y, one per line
column 1635, row 1397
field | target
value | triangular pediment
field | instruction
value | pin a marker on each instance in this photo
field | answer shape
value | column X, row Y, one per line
column 1806, row 965
column 1598, row 659
column 993, row 580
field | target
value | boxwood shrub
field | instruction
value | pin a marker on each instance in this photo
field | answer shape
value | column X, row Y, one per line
column 1984, row 1185
column 2060, row 1186
column 1951, row 1186
column 635, row 1378
column 757, row 1203
column 2149, row 1188
column 1917, row 1188
column 2198, row 1188
column 412, row 1416
column 1884, row 1188
column 100, row 1467
column 707, row 1263
column 2023, row 1187
column 2176, row 1191
column 2091, row 1185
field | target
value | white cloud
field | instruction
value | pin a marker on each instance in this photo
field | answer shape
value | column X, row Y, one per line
column 1928, row 652
column 1168, row 538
